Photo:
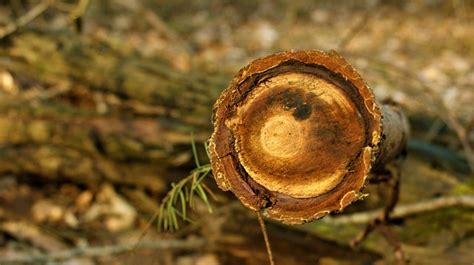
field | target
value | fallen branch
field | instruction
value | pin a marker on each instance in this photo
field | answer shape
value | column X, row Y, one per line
column 405, row 210
column 102, row 251
column 25, row 19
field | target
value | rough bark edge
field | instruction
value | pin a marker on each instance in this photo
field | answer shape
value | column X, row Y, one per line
column 287, row 209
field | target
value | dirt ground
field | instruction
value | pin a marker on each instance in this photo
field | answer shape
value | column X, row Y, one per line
column 419, row 54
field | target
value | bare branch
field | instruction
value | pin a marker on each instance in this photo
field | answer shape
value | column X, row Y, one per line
column 406, row 210
column 103, row 251
column 26, row 18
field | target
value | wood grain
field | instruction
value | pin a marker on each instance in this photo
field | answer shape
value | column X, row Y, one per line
column 297, row 133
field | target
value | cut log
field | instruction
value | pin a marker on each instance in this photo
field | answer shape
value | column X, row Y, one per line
column 297, row 133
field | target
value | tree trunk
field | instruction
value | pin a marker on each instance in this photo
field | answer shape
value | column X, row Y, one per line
column 88, row 111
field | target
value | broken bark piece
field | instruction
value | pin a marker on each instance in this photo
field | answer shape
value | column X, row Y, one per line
column 297, row 133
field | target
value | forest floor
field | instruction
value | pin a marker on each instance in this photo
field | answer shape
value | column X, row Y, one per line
column 419, row 54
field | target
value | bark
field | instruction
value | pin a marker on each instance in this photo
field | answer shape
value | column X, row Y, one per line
column 88, row 111
column 297, row 134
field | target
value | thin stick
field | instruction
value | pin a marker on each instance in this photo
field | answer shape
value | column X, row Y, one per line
column 394, row 185
column 384, row 217
column 79, row 9
column 406, row 210
column 462, row 134
column 25, row 19
column 357, row 28
column 102, row 251
column 393, row 241
column 145, row 230
column 265, row 237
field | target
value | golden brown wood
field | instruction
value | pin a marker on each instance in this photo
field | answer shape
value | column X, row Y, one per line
column 297, row 133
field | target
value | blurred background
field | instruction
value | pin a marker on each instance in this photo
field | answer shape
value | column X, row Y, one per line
column 98, row 100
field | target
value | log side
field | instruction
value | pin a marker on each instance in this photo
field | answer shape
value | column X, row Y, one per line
column 89, row 111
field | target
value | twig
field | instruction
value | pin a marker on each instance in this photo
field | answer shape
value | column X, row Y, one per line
column 160, row 26
column 394, row 185
column 357, row 28
column 393, row 241
column 77, row 14
column 265, row 237
column 384, row 217
column 31, row 233
column 79, row 9
column 145, row 230
column 25, row 19
column 381, row 222
column 462, row 134
column 406, row 210
column 102, row 251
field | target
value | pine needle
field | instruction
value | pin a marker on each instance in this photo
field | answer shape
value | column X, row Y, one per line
column 181, row 195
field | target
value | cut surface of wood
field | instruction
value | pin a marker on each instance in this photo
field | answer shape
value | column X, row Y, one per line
column 296, row 134
column 283, row 127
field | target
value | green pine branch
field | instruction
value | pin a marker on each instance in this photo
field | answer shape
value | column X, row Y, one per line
column 183, row 195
